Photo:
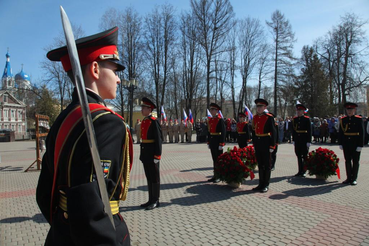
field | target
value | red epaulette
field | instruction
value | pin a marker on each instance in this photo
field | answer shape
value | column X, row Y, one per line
column 306, row 116
column 153, row 118
column 344, row 116
column 358, row 116
column 295, row 117
column 269, row 114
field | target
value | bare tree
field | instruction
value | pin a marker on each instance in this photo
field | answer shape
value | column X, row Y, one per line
column 251, row 36
column 213, row 21
column 283, row 39
column 263, row 65
column 160, row 32
column 55, row 76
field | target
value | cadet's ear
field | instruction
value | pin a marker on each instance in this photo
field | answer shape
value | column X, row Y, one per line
column 94, row 69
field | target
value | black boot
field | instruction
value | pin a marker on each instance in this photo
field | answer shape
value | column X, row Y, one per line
column 155, row 196
column 149, row 188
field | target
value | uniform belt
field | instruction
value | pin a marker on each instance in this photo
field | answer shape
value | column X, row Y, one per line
column 263, row 135
column 114, row 205
column 216, row 133
column 351, row 134
column 302, row 131
column 241, row 132
column 148, row 141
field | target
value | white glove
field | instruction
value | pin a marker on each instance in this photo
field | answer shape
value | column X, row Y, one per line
column 156, row 161
column 271, row 150
column 308, row 145
column 220, row 148
column 341, row 148
column 358, row 149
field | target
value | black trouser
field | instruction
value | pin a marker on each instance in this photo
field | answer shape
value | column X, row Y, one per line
column 274, row 157
column 352, row 158
column 263, row 156
column 242, row 140
column 301, row 151
column 215, row 152
column 152, row 172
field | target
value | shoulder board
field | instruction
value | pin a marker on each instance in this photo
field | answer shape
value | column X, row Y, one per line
column 295, row 117
column 306, row 116
column 358, row 116
column 344, row 117
column 153, row 118
column 269, row 115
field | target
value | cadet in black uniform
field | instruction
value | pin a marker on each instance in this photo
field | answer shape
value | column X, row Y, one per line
column 216, row 136
column 150, row 154
column 242, row 131
column 301, row 137
column 351, row 141
column 264, row 138
column 67, row 191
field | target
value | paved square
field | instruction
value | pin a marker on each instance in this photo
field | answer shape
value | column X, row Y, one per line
column 295, row 211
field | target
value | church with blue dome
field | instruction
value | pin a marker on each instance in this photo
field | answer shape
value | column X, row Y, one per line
column 12, row 108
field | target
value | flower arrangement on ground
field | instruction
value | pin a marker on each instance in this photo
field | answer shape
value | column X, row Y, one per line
column 322, row 162
column 231, row 168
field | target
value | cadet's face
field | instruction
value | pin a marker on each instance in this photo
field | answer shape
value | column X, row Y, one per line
column 145, row 111
column 260, row 109
column 213, row 111
column 108, row 80
column 350, row 111
column 300, row 112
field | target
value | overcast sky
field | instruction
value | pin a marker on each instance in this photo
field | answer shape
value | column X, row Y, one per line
column 28, row 26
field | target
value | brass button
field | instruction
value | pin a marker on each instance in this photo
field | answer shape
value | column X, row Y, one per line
column 65, row 215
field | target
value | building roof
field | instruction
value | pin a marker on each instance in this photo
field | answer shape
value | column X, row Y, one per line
column 7, row 70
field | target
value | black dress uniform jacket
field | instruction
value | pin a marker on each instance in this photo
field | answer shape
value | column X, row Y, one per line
column 243, row 134
column 84, row 222
column 351, row 136
column 151, row 139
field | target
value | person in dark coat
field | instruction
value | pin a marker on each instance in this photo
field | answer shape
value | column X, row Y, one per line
column 216, row 136
column 351, row 141
column 264, row 140
column 242, row 131
column 150, row 155
column 67, row 191
column 301, row 137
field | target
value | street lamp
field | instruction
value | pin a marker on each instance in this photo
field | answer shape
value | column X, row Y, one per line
column 130, row 86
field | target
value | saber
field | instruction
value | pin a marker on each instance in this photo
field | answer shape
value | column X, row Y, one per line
column 86, row 114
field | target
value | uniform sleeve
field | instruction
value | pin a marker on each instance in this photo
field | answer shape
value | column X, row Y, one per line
column 222, row 130
column 293, row 130
column 273, row 139
column 340, row 132
column 44, row 186
column 158, row 140
column 361, row 134
column 309, row 131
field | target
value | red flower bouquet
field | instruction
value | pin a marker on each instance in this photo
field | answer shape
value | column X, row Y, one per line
column 231, row 168
column 322, row 162
column 248, row 156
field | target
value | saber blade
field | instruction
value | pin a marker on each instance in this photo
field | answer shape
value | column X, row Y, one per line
column 86, row 114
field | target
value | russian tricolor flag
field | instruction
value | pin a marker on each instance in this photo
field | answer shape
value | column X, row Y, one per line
column 248, row 113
